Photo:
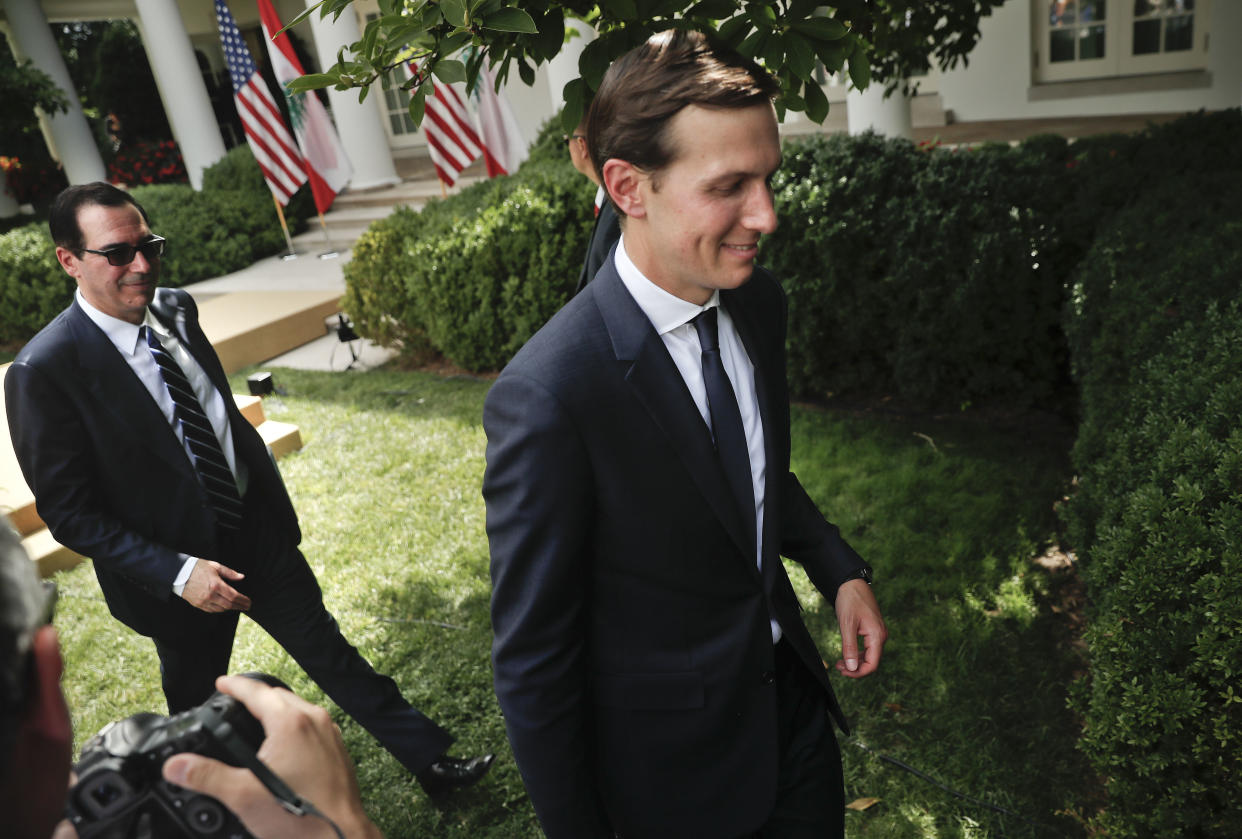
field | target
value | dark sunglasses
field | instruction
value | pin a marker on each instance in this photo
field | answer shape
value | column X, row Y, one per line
column 118, row 255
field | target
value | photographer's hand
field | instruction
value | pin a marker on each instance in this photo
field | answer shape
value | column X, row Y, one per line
column 303, row 747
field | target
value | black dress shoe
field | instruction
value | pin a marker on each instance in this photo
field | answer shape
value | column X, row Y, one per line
column 449, row 773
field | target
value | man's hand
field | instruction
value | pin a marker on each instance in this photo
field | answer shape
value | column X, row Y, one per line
column 858, row 613
column 303, row 747
column 208, row 590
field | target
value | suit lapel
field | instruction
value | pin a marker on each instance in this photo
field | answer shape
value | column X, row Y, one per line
column 658, row 385
column 114, row 386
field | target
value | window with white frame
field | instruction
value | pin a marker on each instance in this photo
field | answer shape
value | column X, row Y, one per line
column 1091, row 39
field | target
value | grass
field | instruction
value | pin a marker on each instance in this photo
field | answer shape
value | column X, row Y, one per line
column 973, row 685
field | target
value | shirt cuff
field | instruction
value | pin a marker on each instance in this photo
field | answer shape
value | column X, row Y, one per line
column 183, row 576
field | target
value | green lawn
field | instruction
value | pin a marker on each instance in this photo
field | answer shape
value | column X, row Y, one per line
column 973, row 685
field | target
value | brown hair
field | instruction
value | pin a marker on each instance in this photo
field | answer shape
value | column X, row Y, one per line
column 645, row 88
column 62, row 218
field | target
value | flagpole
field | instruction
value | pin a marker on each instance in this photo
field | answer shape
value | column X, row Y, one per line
column 330, row 253
column 280, row 212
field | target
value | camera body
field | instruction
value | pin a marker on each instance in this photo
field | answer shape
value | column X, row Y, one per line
column 120, row 792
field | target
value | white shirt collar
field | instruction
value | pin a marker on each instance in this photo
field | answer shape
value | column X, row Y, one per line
column 121, row 333
column 665, row 311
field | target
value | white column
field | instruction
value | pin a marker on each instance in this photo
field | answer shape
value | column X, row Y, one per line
column 564, row 67
column 69, row 136
column 358, row 123
column 887, row 117
column 181, row 86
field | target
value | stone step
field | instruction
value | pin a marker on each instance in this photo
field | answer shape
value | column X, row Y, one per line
column 249, row 327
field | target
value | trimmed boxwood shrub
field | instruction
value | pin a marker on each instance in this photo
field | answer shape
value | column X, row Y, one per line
column 921, row 272
column 209, row 233
column 33, row 287
column 1162, row 705
column 1155, row 328
column 476, row 274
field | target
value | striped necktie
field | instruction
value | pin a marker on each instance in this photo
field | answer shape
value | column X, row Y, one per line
column 727, row 429
column 200, row 437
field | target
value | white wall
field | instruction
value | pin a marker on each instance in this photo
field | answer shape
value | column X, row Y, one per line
column 995, row 85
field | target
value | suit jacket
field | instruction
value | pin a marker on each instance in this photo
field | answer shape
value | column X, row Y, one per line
column 110, row 477
column 632, row 654
column 604, row 235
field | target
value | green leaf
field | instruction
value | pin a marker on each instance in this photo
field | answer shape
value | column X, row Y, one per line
column 733, row 30
column 831, row 55
column 362, row 94
column 313, row 81
column 754, row 43
column 816, row 101
column 620, row 9
column 575, row 94
column 526, row 72
column 594, row 62
column 773, row 52
column 860, row 67
column 449, row 70
column 510, row 20
column 551, row 37
column 454, row 42
column 418, row 105
column 820, row 28
column 301, row 17
column 454, row 12
column 712, row 9
column 799, row 54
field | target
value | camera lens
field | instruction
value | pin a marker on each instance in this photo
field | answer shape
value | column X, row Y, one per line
column 204, row 816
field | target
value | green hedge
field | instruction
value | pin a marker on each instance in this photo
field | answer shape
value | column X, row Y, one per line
column 476, row 274
column 33, row 286
column 227, row 226
column 920, row 272
column 1156, row 331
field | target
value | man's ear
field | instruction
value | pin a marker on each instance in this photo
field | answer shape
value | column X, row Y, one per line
column 623, row 181
column 68, row 260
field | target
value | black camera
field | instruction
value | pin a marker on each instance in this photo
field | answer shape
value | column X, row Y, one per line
column 121, row 794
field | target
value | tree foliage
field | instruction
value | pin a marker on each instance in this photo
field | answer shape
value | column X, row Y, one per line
column 888, row 40
column 24, row 87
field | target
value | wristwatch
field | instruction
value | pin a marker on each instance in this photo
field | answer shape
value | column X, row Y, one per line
column 865, row 574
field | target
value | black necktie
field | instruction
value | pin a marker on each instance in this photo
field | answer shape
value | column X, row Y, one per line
column 727, row 428
column 200, row 437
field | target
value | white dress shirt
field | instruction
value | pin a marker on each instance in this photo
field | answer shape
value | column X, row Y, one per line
column 671, row 316
column 125, row 337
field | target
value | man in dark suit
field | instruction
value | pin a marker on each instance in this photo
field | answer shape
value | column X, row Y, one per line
column 607, row 227
column 127, row 433
column 650, row 659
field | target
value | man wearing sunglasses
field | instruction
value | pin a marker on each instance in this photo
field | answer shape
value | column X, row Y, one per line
column 126, row 430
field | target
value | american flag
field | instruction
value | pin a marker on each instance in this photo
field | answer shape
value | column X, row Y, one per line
column 273, row 146
column 451, row 137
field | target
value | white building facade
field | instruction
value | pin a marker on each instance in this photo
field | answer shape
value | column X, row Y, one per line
column 1036, row 61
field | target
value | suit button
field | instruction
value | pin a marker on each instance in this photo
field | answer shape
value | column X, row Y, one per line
column 768, row 677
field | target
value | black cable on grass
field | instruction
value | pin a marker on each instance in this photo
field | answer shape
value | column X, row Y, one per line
column 994, row 807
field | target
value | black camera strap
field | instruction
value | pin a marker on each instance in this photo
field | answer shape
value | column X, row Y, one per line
column 290, row 800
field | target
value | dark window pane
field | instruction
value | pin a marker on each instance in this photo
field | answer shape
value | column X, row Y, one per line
column 1145, row 7
column 1146, row 37
column 1061, row 45
column 1179, row 33
column 1061, row 12
column 1091, row 44
column 1093, row 11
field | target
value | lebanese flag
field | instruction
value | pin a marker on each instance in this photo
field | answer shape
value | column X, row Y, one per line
column 326, row 163
column 503, row 149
